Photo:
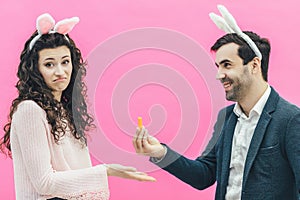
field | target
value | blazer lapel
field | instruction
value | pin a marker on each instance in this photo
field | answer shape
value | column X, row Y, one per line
column 259, row 132
column 227, row 145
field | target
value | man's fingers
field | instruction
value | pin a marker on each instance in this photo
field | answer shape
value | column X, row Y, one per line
column 141, row 142
column 137, row 133
column 134, row 140
column 145, row 141
column 138, row 139
column 144, row 136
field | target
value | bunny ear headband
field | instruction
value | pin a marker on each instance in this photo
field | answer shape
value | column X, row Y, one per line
column 45, row 24
column 228, row 24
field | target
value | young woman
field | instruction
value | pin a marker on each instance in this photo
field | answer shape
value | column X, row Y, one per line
column 48, row 121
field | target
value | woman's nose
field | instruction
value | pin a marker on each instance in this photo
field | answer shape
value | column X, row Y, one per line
column 59, row 70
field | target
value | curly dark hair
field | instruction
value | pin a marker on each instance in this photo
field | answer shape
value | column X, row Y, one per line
column 31, row 86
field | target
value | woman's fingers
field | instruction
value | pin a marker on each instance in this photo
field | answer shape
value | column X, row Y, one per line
column 140, row 176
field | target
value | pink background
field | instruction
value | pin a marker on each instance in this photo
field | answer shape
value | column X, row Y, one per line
column 100, row 20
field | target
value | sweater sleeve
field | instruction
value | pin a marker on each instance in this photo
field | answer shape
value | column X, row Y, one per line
column 30, row 128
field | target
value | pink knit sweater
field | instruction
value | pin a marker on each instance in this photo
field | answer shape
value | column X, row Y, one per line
column 44, row 169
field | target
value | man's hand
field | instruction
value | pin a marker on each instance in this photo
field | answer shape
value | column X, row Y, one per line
column 127, row 172
column 147, row 145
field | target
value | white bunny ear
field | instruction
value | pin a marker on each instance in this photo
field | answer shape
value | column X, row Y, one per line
column 66, row 25
column 220, row 22
column 229, row 19
column 44, row 23
column 228, row 24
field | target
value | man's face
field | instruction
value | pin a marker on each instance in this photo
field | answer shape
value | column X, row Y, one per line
column 234, row 76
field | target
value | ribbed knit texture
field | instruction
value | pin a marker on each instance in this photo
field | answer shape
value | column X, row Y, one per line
column 44, row 169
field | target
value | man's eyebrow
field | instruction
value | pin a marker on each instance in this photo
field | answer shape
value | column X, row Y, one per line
column 222, row 62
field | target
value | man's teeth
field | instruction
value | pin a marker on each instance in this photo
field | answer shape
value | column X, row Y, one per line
column 226, row 85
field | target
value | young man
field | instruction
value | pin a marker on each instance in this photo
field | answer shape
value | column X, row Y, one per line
column 254, row 152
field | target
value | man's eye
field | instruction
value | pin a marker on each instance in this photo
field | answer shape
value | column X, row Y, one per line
column 226, row 65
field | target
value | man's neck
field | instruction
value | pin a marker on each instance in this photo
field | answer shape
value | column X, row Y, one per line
column 253, row 96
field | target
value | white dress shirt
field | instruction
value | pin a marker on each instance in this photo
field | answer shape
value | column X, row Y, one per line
column 243, row 133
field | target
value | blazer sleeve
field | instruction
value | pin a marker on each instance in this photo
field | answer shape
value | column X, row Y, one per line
column 292, row 146
column 201, row 172
column 30, row 133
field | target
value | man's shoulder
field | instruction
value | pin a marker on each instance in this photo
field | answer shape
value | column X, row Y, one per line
column 283, row 107
column 227, row 110
column 286, row 106
column 225, row 113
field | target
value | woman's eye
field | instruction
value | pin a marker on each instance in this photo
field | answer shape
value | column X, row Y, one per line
column 49, row 64
column 65, row 62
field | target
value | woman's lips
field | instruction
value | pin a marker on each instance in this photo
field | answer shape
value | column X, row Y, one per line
column 60, row 79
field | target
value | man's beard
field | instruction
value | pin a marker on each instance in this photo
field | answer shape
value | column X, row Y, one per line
column 236, row 92
column 239, row 85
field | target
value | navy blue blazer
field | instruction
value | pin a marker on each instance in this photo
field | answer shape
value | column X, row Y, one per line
column 272, row 168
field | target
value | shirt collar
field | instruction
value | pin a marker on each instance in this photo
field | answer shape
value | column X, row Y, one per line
column 258, row 107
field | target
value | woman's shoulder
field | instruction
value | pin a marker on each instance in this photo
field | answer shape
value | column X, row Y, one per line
column 27, row 107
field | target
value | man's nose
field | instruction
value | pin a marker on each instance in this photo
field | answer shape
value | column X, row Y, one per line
column 220, row 74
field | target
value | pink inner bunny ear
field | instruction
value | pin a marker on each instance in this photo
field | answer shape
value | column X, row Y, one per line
column 66, row 25
column 44, row 23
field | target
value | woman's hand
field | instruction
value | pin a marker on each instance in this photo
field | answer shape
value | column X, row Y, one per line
column 127, row 172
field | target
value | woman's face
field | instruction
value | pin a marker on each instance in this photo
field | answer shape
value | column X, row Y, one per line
column 55, row 65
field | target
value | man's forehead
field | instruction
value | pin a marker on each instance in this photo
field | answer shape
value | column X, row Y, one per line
column 226, row 52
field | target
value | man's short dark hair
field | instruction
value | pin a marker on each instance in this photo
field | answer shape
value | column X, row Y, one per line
column 245, row 52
